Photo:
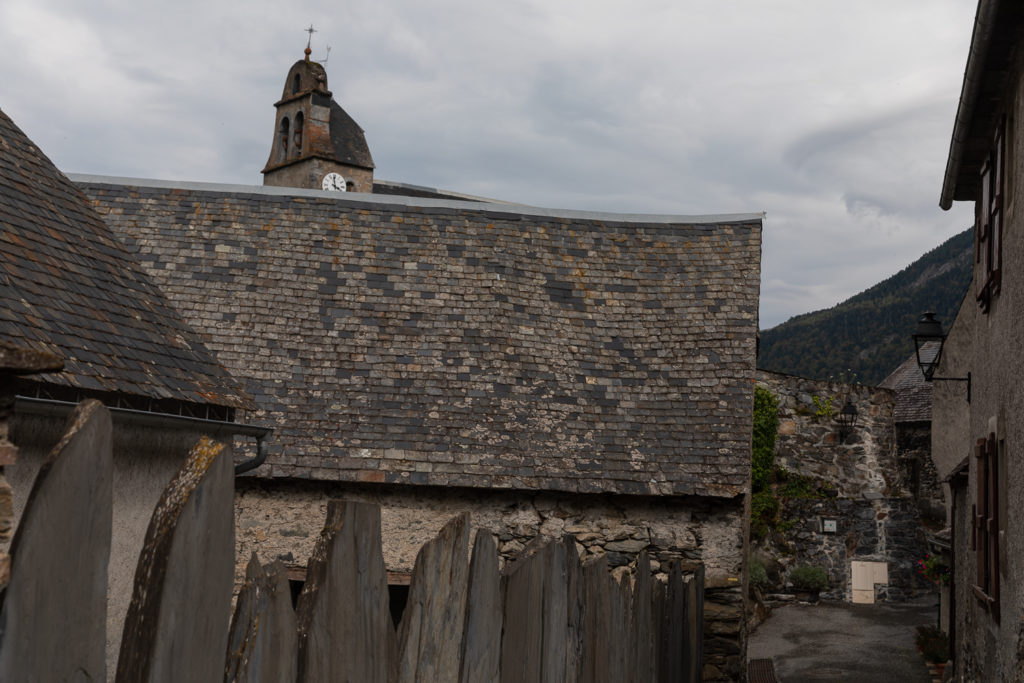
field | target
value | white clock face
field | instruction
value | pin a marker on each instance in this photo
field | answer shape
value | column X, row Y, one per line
column 334, row 181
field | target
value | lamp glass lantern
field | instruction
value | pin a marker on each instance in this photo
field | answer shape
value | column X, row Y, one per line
column 928, row 342
column 847, row 419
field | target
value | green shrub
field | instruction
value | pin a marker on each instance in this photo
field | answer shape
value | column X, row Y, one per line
column 766, row 426
column 808, row 578
column 823, row 409
column 799, row 486
column 764, row 508
column 932, row 643
column 758, row 574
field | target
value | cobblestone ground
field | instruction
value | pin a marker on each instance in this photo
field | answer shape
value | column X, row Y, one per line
column 840, row 642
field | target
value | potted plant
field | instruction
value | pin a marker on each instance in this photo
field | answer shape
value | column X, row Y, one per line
column 934, row 569
column 808, row 581
column 933, row 645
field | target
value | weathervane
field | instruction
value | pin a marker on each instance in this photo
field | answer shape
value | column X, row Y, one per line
column 310, row 31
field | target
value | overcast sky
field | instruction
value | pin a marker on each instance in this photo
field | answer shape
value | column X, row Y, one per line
column 832, row 117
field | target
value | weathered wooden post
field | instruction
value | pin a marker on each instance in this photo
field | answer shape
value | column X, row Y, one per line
column 429, row 637
column 177, row 624
column 344, row 624
column 54, row 610
column 481, row 635
column 263, row 639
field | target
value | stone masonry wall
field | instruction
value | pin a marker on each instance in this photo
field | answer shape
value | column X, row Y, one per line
column 884, row 530
column 280, row 520
column 914, row 451
column 858, row 482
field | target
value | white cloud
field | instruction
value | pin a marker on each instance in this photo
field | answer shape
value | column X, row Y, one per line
column 833, row 117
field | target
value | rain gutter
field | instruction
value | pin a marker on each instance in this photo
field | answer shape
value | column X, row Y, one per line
column 218, row 428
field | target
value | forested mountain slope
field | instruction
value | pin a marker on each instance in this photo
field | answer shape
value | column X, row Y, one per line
column 868, row 335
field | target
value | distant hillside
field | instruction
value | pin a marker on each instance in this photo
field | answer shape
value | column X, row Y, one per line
column 869, row 334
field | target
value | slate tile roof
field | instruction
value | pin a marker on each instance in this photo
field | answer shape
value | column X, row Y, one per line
column 69, row 287
column 456, row 343
column 913, row 394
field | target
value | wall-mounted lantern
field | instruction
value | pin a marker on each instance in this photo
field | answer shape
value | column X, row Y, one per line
column 847, row 419
column 928, row 342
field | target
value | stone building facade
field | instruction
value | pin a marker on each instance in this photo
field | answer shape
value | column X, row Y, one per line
column 549, row 371
column 978, row 430
column 855, row 482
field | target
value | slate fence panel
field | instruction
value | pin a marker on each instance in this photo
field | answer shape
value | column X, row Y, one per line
column 177, row 623
column 262, row 645
column 480, row 654
column 436, row 607
column 345, row 632
column 546, row 617
column 54, row 612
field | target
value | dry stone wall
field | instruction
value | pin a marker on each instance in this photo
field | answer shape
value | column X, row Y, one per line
column 280, row 521
column 858, row 482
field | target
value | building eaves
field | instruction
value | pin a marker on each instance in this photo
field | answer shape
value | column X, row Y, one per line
column 997, row 29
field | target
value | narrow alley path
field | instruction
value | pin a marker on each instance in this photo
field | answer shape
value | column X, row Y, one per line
column 863, row 643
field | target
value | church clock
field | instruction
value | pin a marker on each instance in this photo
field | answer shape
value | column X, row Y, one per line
column 334, row 181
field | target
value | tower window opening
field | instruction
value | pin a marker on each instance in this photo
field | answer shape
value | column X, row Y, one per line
column 296, row 84
column 282, row 152
column 297, row 137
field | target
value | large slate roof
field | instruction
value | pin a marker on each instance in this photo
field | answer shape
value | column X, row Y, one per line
column 913, row 393
column 434, row 342
column 68, row 286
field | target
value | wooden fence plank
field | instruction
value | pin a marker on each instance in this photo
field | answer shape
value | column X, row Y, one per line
column 177, row 623
column 626, row 645
column 643, row 628
column 429, row 639
column 262, row 640
column 596, row 616
column 555, row 613
column 575, row 610
column 522, row 643
column 481, row 635
column 345, row 632
column 673, row 628
column 55, row 606
column 695, row 622
column 659, row 638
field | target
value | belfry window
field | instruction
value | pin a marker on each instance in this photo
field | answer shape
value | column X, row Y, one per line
column 282, row 146
column 296, row 84
column 297, row 137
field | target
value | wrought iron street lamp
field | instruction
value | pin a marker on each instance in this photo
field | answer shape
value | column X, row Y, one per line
column 847, row 419
column 928, row 342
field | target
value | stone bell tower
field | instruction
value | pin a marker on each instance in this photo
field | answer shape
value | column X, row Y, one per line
column 317, row 145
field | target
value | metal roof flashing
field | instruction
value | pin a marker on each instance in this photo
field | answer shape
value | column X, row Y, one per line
column 427, row 203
